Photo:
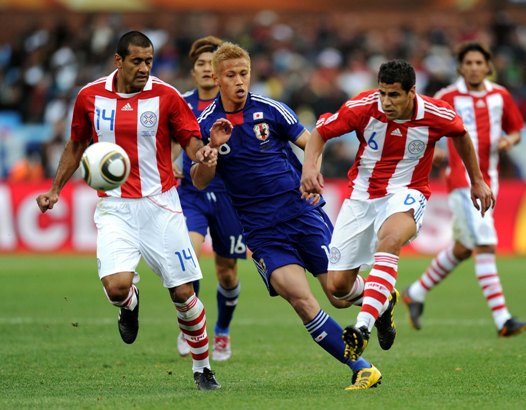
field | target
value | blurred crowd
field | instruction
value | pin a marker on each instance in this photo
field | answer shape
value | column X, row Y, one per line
column 311, row 62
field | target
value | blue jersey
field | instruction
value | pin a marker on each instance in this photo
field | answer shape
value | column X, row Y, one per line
column 260, row 171
column 216, row 185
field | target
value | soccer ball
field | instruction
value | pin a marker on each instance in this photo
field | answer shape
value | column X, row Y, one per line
column 105, row 166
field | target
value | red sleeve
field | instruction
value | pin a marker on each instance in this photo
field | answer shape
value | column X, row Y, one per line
column 81, row 126
column 345, row 120
column 456, row 128
column 183, row 122
column 511, row 117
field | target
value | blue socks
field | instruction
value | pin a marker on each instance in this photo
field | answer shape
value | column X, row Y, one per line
column 196, row 287
column 328, row 334
column 226, row 305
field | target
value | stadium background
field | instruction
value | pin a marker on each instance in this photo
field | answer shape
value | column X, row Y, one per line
column 58, row 340
column 312, row 55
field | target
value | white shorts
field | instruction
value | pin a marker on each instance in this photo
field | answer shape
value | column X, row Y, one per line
column 354, row 239
column 154, row 228
column 469, row 227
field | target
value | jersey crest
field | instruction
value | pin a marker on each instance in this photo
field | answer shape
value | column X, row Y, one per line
column 262, row 131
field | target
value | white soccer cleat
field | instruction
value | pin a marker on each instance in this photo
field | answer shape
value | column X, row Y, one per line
column 182, row 345
column 221, row 351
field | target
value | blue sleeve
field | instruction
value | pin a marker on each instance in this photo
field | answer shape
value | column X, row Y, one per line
column 205, row 130
column 287, row 122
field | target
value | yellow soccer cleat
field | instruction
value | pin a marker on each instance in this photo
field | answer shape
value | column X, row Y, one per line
column 364, row 379
column 355, row 339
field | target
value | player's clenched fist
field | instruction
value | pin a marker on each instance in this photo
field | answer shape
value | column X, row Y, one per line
column 47, row 201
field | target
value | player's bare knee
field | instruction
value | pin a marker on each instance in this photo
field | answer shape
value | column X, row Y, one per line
column 226, row 272
column 116, row 291
column 227, row 278
column 180, row 294
column 461, row 252
column 339, row 286
column 480, row 249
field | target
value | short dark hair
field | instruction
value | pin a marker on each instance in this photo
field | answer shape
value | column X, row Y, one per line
column 132, row 37
column 465, row 48
column 397, row 71
column 207, row 44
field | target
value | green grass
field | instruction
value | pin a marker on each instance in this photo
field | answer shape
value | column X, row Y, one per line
column 60, row 348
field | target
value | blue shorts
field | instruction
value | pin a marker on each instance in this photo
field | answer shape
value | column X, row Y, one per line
column 303, row 241
column 214, row 211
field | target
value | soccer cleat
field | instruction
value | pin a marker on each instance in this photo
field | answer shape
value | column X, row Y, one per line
column 206, row 380
column 355, row 340
column 512, row 327
column 366, row 378
column 129, row 323
column 385, row 324
column 182, row 345
column 221, row 350
column 415, row 309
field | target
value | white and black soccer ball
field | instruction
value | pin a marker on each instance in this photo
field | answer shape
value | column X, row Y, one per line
column 105, row 166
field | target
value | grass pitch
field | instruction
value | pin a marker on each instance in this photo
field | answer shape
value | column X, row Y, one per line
column 60, row 348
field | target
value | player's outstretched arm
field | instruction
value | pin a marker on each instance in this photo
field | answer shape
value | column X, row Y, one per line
column 69, row 162
column 311, row 177
column 205, row 160
column 480, row 191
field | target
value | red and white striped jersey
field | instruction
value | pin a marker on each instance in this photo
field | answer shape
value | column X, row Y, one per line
column 393, row 155
column 485, row 114
column 143, row 123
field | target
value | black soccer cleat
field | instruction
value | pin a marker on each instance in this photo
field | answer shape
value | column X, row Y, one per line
column 415, row 309
column 385, row 324
column 512, row 327
column 129, row 323
column 355, row 339
column 206, row 380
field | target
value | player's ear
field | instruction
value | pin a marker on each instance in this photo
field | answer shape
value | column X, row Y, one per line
column 412, row 91
column 118, row 60
column 491, row 68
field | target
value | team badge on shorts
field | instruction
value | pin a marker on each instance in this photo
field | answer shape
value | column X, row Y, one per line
column 262, row 131
column 335, row 255
column 148, row 119
column 99, row 264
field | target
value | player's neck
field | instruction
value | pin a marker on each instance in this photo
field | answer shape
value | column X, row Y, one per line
column 233, row 106
column 122, row 88
column 475, row 86
column 207, row 94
